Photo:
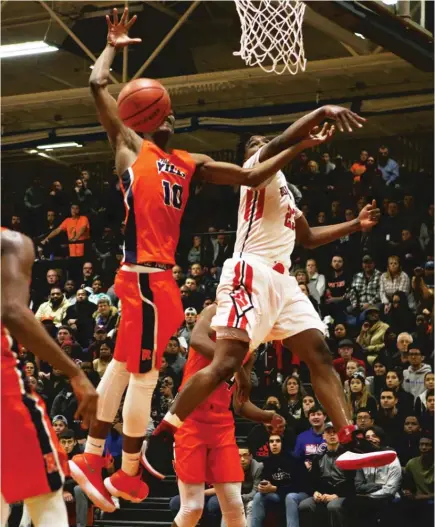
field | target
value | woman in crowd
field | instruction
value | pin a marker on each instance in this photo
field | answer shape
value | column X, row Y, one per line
column 393, row 280
column 104, row 356
column 317, row 283
column 405, row 400
column 194, row 255
column 352, row 367
column 293, row 394
column 400, row 317
column 377, row 380
column 359, row 396
column 421, row 400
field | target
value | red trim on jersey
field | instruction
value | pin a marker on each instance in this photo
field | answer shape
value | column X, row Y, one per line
column 249, row 198
column 236, row 285
column 260, row 204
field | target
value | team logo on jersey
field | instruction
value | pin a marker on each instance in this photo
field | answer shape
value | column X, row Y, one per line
column 288, row 222
column 146, row 354
column 164, row 166
column 284, row 191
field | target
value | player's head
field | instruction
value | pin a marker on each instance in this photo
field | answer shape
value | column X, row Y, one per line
column 163, row 133
column 253, row 144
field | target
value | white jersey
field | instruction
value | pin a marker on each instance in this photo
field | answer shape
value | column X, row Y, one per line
column 266, row 223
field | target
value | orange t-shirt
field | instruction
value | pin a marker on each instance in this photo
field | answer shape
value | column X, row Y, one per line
column 72, row 226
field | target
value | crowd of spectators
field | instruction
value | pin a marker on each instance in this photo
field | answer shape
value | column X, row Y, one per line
column 374, row 292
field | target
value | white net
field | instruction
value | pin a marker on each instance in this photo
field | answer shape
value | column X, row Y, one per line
column 272, row 35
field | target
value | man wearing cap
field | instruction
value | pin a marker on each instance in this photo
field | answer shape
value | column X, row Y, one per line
column 330, row 484
column 371, row 337
column 366, row 286
column 190, row 315
column 345, row 350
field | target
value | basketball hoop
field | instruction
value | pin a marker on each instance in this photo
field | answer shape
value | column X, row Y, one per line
column 272, row 35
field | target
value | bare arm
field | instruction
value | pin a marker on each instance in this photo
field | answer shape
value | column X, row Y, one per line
column 248, row 410
column 82, row 230
column 317, row 236
column 52, row 234
column 17, row 260
column 200, row 339
column 301, row 128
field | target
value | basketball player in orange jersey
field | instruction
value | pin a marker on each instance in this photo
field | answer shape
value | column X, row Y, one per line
column 259, row 301
column 205, row 447
column 155, row 182
column 33, row 464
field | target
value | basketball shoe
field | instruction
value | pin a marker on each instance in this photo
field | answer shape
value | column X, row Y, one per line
column 130, row 488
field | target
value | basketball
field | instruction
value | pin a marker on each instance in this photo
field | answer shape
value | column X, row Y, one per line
column 143, row 104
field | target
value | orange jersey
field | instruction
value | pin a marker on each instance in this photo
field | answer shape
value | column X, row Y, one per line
column 155, row 189
column 11, row 376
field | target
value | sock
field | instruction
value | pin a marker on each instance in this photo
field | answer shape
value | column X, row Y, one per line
column 95, row 446
column 345, row 435
column 130, row 463
column 173, row 419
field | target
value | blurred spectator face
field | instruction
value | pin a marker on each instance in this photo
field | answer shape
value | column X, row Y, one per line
column 207, row 302
column 351, row 368
column 86, row 367
column 408, row 201
column 306, row 210
column 184, row 290
column 429, row 381
column 103, row 308
column 303, row 158
column 392, row 209
column 190, row 318
column 63, row 334
column 339, row 331
column 426, row 446
column 105, row 352
column 307, row 403
column 15, row 221
column 301, row 277
column 420, row 321
column 56, row 296
column 75, row 211
column 404, row 340
column 57, row 186
column 100, row 334
column 68, row 444
column 32, row 382
column 221, row 239
column 177, row 272
column 191, row 284
column 313, row 167
column 396, row 301
column 292, row 386
column 81, row 295
column 368, row 267
column 196, row 270
column 304, row 289
column 383, row 152
column 29, row 368
column 197, row 241
column 430, row 403
column 363, row 156
column 325, row 157
column 59, row 426
column 163, row 364
column 97, row 286
column 406, row 235
column 415, row 358
column 379, row 369
column 275, row 444
column 273, row 400
column 85, row 175
column 167, row 387
column 364, row 420
column 69, row 287
column 356, row 386
column 51, row 216
column 392, row 380
column 321, row 217
column 173, row 346
column 79, row 183
column 337, row 263
column 393, row 264
column 373, row 438
column 311, row 267
column 52, row 277
column 212, row 230
column 331, row 437
column 345, row 352
column 388, row 400
column 361, row 203
column 87, row 269
column 411, row 425
column 371, row 161
column 245, row 458
column 317, row 419
column 349, row 215
column 373, row 316
column 335, row 207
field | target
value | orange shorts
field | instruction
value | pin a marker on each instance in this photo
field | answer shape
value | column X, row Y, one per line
column 207, row 453
column 32, row 460
column 151, row 312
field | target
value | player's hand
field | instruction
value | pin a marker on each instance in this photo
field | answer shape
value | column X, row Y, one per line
column 68, row 497
column 319, row 135
column 344, row 118
column 278, row 424
column 87, row 398
column 369, row 216
column 117, row 35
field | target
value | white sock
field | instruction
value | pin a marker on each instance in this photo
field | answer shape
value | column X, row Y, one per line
column 95, row 446
column 173, row 419
column 130, row 463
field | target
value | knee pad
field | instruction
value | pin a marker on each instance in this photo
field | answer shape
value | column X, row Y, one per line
column 137, row 404
column 111, row 389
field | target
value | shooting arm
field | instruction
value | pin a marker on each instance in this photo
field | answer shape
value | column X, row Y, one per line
column 317, row 236
column 248, row 410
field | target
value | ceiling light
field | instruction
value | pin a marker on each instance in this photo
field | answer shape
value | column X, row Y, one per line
column 59, row 145
column 26, row 48
column 91, row 67
column 389, row 2
column 360, row 36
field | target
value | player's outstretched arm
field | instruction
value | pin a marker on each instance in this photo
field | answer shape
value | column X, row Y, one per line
column 117, row 38
column 345, row 119
column 221, row 173
column 16, row 267
column 200, row 339
column 317, row 236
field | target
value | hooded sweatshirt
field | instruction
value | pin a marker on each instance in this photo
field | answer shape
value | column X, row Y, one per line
column 413, row 381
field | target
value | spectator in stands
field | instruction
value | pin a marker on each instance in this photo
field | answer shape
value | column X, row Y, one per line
column 426, row 234
column 173, row 355
column 388, row 166
column 326, row 165
column 423, row 335
column 65, row 403
column 316, row 284
column 398, row 358
column 60, row 424
column 280, row 476
column 82, row 195
column 364, row 419
column 105, row 315
column 421, row 400
column 337, row 283
column 105, row 249
column 414, row 376
column 204, row 284
column 409, row 251
column 311, row 442
column 77, row 229
column 422, row 290
column 400, row 317
column 305, row 290
column 365, row 288
column 372, row 183
column 377, row 381
column 390, row 230
column 405, row 401
column 190, row 316
column 222, row 250
column 163, row 396
column 97, row 290
column 389, row 418
column 375, row 488
column 177, row 273
column 55, row 308
column 87, row 275
column 58, row 200
column 392, row 281
column 195, row 297
column 34, row 201
column 359, row 167
column 302, row 424
column 418, row 486
column 69, row 291
column 15, row 224
column 359, row 396
column 331, row 485
column 194, row 254
column 293, row 394
column 340, row 333
column 104, row 356
column 54, row 248
column 352, row 367
column 408, row 442
column 345, row 350
column 80, row 318
column 371, row 337
column 41, row 292
column 427, row 417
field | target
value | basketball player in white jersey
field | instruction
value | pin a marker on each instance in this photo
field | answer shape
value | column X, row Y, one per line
column 257, row 299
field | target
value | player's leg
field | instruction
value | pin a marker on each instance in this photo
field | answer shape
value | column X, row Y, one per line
column 230, row 501
column 5, row 510
column 191, row 504
column 48, row 510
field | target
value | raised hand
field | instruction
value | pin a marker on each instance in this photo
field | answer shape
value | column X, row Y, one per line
column 319, row 136
column 344, row 118
column 117, row 35
column 369, row 216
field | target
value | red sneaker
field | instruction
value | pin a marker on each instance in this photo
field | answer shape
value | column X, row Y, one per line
column 354, row 461
column 130, row 488
column 86, row 471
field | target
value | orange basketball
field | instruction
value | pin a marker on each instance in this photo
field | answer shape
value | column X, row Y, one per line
column 143, row 104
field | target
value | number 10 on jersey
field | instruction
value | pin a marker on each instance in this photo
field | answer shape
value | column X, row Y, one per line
column 172, row 194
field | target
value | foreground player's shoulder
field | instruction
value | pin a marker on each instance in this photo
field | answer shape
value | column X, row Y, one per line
column 16, row 244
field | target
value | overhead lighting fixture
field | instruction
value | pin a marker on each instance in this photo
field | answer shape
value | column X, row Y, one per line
column 25, row 48
column 91, row 67
column 59, row 145
column 389, row 2
column 360, row 35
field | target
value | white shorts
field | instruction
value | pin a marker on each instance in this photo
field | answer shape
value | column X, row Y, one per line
column 267, row 304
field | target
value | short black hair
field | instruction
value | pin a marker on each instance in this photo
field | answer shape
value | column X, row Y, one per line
column 364, row 410
column 175, row 339
column 244, row 445
column 316, row 408
column 67, row 434
column 430, row 393
column 386, row 389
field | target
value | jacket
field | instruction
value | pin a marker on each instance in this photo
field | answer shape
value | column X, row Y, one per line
column 308, row 444
column 251, row 481
column 46, row 310
column 373, row 339
column 327, row 478
column 413, row 381
column 287, row 474
column 381, row 482
column 111, row 320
